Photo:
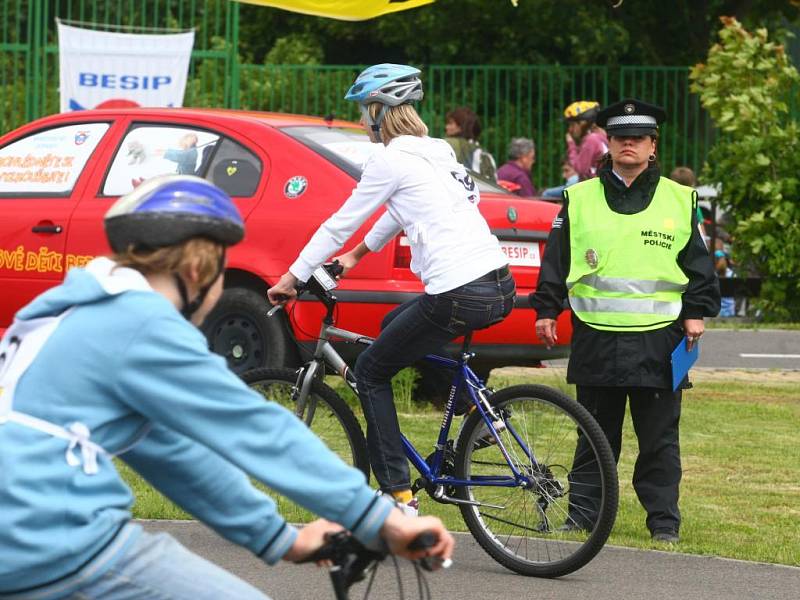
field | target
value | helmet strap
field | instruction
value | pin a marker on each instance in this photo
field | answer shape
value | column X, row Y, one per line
column 190, row 307
column 375, row 125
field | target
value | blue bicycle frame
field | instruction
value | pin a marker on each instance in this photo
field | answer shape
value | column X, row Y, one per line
column 474, row 386
column 464, row 377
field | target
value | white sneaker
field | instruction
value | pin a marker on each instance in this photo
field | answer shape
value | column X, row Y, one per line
column 410, row 509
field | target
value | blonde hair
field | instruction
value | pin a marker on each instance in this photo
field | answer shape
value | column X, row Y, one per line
column 398, row 120
column 175, row 259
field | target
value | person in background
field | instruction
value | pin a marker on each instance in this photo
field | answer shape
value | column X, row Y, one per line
column 587, row 143
column 185, row 155
column 521, row 157
column 626, row 253
column 112, row 363
column 434, row 200
column 462, row 130
column 685, row 176
column 570, row 178
column 722, row 265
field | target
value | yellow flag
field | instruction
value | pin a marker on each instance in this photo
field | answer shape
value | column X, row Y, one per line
column 347, row 10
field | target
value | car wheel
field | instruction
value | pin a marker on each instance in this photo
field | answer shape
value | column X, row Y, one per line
column 239, row 329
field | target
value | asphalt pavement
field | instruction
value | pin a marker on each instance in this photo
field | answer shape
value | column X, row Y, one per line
column 615, row 574
column 743, row 349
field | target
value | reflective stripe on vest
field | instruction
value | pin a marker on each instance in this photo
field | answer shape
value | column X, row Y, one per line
column 624, row 274
column 632, row 286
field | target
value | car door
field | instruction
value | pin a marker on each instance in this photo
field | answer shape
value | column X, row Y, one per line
column 41, row 174
column 151, row 148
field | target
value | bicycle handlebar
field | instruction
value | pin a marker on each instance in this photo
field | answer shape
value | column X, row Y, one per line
column 321, row 282
column 352, row 561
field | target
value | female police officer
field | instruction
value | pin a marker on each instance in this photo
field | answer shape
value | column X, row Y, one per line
column 626, row 251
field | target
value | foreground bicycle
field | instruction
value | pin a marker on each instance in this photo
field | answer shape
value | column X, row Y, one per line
column 351, row 562
column 507, row 468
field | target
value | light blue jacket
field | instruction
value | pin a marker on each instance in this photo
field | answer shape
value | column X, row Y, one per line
column 123, row 363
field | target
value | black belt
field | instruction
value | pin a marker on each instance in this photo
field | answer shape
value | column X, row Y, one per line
column 495, row 275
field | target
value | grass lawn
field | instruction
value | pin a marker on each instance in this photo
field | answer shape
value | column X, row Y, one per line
column 738, row 323
column 740, row 495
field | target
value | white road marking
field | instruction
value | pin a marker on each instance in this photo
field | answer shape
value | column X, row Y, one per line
column 770, row 355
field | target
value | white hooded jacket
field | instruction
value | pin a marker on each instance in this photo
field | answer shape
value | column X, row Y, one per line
column 428, row 195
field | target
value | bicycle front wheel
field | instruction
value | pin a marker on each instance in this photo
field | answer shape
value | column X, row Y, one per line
column 541, row 527
column 324, row 411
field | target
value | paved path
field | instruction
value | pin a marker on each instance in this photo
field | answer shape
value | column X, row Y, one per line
column 743, row 349
column 616, row 574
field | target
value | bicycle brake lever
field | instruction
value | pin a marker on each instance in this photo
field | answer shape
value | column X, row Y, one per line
column 429, row 563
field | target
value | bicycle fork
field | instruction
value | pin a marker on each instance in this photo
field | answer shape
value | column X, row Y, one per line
column 302, row 392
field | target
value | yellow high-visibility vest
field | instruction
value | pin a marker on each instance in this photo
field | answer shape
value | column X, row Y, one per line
column 346, row 10
column 624, row 273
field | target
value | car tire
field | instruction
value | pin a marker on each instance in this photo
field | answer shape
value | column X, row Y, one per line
column 239, row 330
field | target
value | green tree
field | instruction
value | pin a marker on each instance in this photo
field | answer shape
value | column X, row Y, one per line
column 571, row 32
column 745, row 85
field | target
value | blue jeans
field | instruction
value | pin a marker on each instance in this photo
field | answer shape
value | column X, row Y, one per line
column 155, row 567
column 409, row 332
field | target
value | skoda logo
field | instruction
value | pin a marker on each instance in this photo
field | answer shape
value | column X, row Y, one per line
column 512, row 214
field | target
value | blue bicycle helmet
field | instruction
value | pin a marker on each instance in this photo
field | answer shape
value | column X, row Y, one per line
column 167, row 210
column 386, row 84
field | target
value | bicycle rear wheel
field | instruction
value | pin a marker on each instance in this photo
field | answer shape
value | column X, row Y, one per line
column 531, row 530
column 331, row 420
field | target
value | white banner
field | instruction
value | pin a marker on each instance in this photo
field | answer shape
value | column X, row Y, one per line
column 102, row 69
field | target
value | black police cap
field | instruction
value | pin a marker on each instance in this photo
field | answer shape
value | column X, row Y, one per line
column 631, row 117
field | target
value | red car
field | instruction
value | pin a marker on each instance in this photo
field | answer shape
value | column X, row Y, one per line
column 287, row 173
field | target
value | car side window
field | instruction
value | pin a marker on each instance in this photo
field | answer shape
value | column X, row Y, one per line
column 48, row 162
column 235, row 169
column 151, row 150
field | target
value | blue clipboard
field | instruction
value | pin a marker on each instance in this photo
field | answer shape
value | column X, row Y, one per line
column 682, row 361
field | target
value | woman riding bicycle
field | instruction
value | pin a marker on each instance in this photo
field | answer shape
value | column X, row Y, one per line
column 110, row 362
column 429, row 195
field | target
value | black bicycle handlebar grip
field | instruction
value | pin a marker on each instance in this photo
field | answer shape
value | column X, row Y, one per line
column 423, row 541
column 334, row 268
column 335, row 542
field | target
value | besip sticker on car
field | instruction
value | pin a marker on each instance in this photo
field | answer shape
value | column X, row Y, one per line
column 48, row 162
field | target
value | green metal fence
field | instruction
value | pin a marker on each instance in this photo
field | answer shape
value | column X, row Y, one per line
column 511, row 101
column 29, row 47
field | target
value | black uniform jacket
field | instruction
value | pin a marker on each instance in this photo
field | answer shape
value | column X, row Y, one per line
column 624, row 359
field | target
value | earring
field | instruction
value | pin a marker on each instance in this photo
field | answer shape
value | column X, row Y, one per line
column 652, row 158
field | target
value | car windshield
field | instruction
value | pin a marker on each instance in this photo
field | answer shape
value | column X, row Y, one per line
column 349, row 148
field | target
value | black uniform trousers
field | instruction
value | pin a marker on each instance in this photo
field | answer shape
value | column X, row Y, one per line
column 655, row 414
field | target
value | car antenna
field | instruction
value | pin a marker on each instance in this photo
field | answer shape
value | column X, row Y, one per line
column 329, row 118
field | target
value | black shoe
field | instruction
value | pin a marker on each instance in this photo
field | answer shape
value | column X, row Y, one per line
column 668, row 536
column 570, row 526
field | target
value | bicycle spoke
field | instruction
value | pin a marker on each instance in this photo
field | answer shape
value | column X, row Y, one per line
column 324, row 412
